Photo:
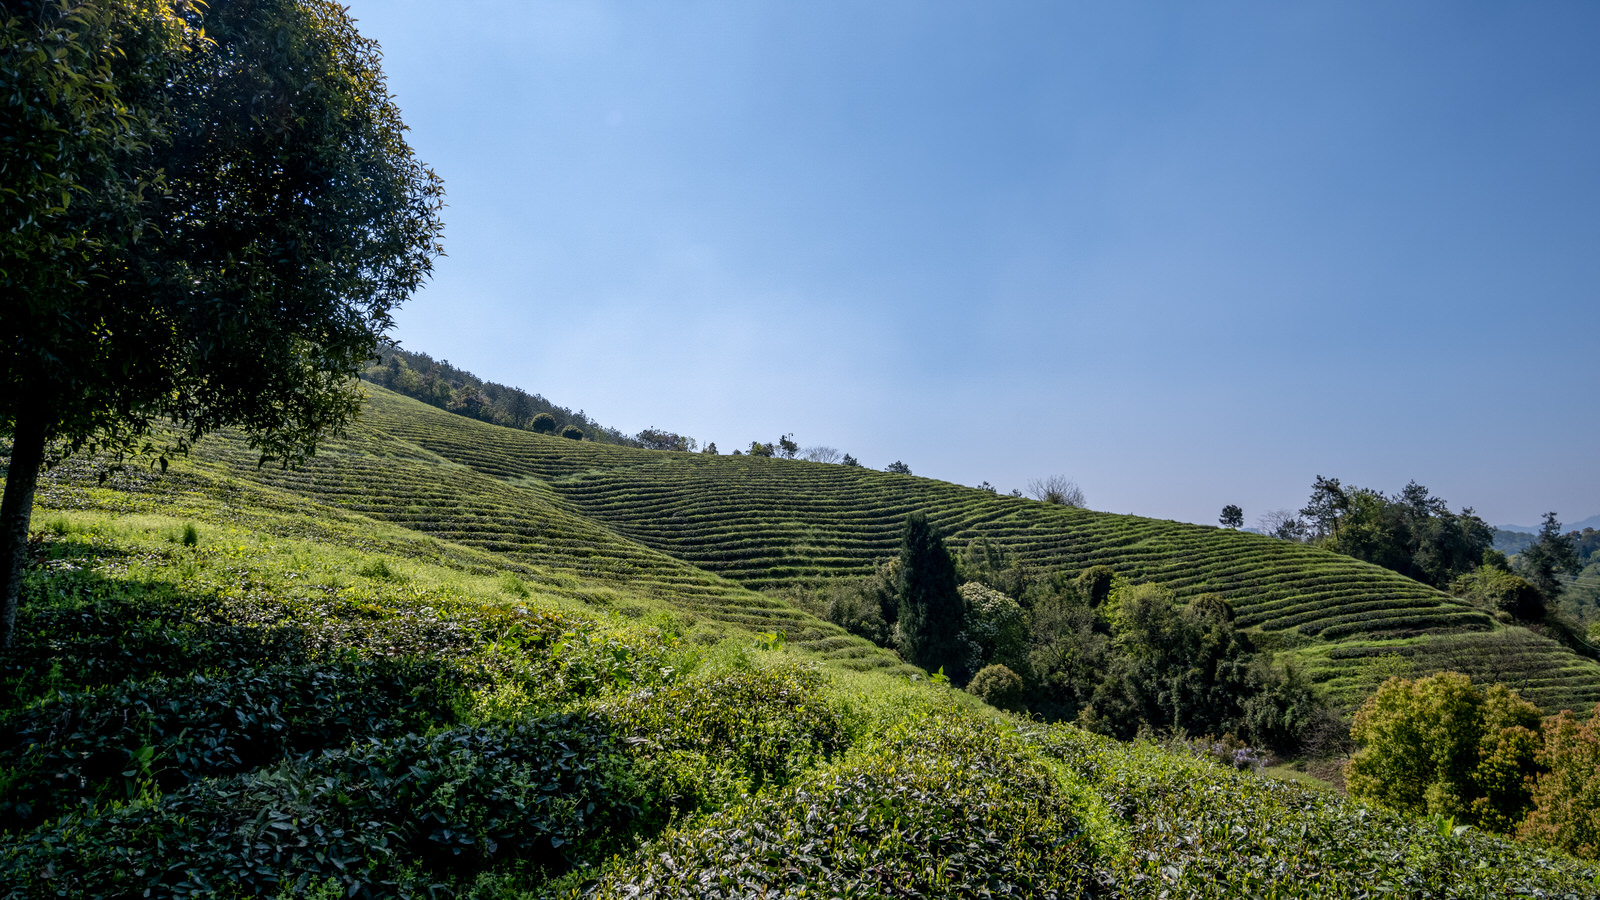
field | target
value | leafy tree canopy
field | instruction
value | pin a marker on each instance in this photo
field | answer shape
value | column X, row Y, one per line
column 1412, row 532
column 1232, row 516
column 1442, row 746
column 210, row 213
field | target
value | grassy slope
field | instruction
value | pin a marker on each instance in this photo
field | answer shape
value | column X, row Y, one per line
column 861, row 784
column 768, row 524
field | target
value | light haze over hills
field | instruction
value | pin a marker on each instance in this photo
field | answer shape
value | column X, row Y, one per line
column 1184, row 256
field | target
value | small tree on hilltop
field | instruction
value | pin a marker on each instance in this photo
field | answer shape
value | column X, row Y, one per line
column 1057, row 489
column 787, row 448
column 1283, row 524
column 572, row 432
column 543, row 423
column 898, row 468
column 850, row 461
column 932, row 614
column 1232, row 516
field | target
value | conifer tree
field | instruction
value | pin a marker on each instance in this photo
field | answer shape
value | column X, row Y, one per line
column 932, row 613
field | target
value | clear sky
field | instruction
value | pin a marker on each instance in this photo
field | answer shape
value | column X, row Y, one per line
column 1184, row 254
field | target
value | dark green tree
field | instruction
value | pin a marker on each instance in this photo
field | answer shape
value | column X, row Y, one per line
column 898, row 467
column 1551, row 554
column 1413, row 532
column 787, row 448
column 543, row 423
column 572, row 432
column 1327, row 506
column 851, row 461
column 209, row 213
column 1232, row 516
column 931, row 611
column 519, row 406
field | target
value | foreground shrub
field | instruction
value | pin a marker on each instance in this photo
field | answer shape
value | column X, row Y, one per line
column 1440, row 746
column 1187, row 827
column 89, row 747
column 941, row 808
column 412, row 816
column 1566, row 796
column 997, row 686
column 731, row 733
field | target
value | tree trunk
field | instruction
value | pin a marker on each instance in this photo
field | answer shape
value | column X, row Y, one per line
column 27, row 454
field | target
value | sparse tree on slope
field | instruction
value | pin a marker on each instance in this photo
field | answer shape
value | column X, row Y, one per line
column 1232, row 516
column 209, row 214
column 1057, row 489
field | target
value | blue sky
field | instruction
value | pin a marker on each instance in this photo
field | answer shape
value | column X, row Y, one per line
column 1184, row 254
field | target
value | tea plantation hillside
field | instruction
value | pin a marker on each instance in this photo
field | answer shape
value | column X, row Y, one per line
column 223, row 688
column 527, row 528
column 770, row 523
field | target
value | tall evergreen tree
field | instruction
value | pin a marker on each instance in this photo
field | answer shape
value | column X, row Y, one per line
column 1551, row 553
column 932, row 613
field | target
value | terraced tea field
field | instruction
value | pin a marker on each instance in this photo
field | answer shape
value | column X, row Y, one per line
column 713, row 532
column 530, row 530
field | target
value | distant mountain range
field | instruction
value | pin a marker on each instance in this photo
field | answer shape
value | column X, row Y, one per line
column 1591, row 522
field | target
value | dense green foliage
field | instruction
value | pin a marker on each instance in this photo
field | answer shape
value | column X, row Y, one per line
column 1441, row 746
column 1413, row 532
column 440, row 384
column 1566, row 796
column 1495, row 588
column 1551, row 553
column 208, row 221
column 936, row 808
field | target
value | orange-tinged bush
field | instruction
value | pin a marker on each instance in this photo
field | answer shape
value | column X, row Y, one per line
column 1567, row 794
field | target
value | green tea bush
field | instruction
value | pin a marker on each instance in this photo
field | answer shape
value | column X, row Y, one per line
column 1186, row 827
column 730, row 733
column 942, row 807
column 113, row 743
column 410, row 816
